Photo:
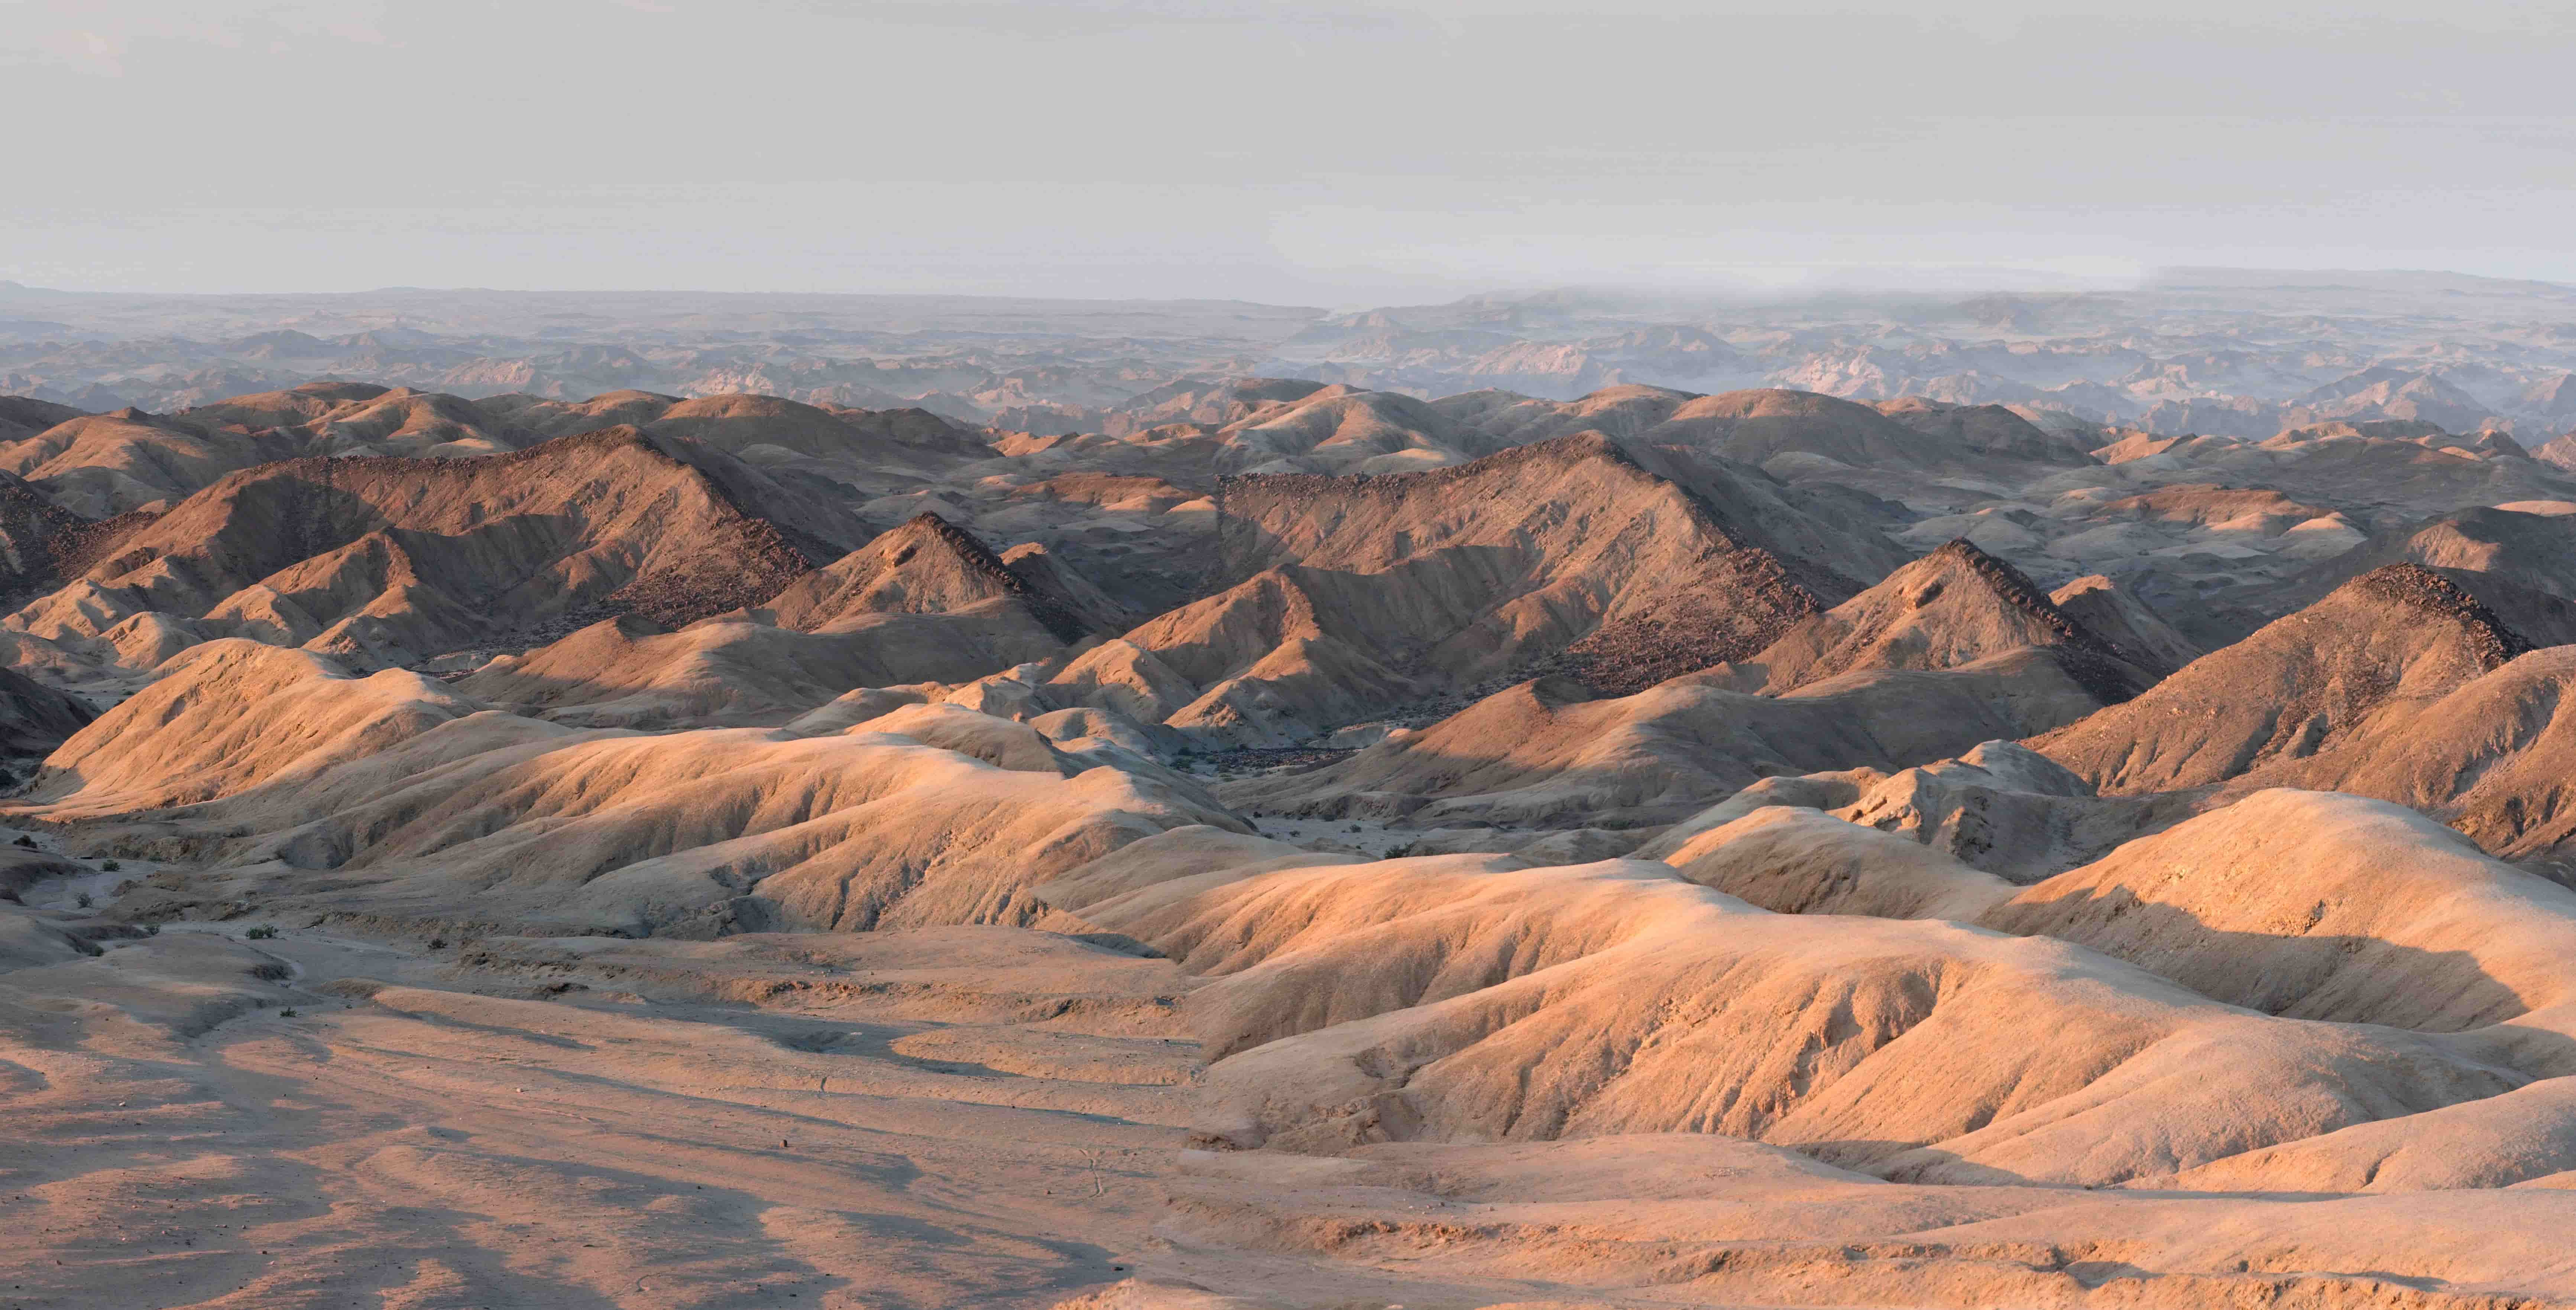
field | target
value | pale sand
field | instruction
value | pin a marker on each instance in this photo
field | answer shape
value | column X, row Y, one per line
column 912, row 1136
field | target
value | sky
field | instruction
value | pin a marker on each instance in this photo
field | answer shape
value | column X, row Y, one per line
column 1337, row 154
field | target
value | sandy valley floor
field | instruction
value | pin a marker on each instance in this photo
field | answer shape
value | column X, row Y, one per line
column 957, row 1116
column 947, row 1117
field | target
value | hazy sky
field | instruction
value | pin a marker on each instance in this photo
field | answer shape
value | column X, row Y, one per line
column 1322, row 153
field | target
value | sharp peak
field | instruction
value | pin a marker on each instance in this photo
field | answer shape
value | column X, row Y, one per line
column 1997, row 573
column 1960, row 548
column 2428, row 592
column 970, row 550
column 2108, row 673
column 2014, row 588
column 929, row 523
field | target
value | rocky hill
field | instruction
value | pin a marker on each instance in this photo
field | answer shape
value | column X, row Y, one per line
column 1759, row 815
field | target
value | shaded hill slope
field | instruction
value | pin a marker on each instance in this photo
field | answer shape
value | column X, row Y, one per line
column 394, row 799
column 22, row 417
column 2523, row 565
column 354, row 418
column 392, row 559
column 924, row 602
column 100, row 465
column 2349, row 911
column 1806, row 433
column 2493, row 757
column 1952, row 607
column 105, row 464
column 926, row 565
column 35, row 718
column 1339, row 429
column 1551, row 752
column 2319, row 906
column 2378, row 647
column 1359, row 594
column 1951, row 650
column 1466, row 998
column 2129, row 624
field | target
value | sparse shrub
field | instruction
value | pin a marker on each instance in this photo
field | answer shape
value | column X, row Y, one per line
column 261, row 933
column 271, row 971
column 152, row 930
column 286, row 1014
column 85, row 900
column 438, row 943
column 26, row 841
column 112, row 866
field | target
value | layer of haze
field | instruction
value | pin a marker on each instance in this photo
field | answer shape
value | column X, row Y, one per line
column 1324, row 153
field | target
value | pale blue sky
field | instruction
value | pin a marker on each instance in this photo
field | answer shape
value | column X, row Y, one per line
column 1336, row 154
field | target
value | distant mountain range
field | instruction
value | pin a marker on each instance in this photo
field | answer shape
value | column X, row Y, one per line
column 2218, row 352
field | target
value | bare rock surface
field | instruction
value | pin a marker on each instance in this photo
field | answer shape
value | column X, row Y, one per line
column 2032, row 801
column 390, row 560
column 2379, row 646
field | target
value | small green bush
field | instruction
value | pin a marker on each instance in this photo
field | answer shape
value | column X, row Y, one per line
column 261, row 933
column 110, row 865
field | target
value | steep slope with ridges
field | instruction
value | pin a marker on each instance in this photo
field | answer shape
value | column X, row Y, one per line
column 1952, row 607
column 613, row 521
column 1360, row 593
column 2383, row 644
column 926, row 565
